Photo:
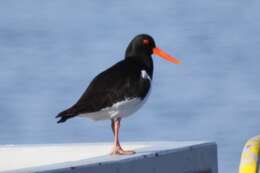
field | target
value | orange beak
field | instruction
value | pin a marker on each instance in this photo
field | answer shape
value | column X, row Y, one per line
column 160, row 53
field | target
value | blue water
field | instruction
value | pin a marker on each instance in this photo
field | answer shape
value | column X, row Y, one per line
column 50, row 51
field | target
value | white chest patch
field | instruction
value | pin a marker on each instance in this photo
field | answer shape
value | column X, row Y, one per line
column 144, row 75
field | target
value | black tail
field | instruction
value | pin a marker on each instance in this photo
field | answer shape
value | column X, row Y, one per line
column 64, row 115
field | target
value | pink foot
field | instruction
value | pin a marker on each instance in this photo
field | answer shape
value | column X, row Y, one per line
column 119, row 151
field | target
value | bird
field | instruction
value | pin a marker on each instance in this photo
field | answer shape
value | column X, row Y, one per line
column 120, row 90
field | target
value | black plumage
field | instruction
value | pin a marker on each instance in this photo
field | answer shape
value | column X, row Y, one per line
column 122, row 80
column 120, row 90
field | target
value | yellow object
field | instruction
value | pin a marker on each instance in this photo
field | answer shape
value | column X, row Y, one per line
column 249, row 162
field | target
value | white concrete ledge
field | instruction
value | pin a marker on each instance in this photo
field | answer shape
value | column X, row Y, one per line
column 151, row 157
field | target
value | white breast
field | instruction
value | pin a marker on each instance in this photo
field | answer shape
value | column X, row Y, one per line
column 144, row 75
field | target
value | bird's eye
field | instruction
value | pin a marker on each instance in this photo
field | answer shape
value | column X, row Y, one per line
column 146, row 41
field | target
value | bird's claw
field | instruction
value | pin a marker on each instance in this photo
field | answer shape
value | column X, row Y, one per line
column 119, row 151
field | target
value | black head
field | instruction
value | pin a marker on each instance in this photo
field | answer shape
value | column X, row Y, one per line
column 141, row 45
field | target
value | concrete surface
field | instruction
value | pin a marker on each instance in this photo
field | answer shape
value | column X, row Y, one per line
column 152, row 157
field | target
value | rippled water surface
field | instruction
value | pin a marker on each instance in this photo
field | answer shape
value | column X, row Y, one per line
column 50, row 51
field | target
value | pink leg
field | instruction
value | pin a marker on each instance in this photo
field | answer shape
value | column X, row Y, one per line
column 117, row 149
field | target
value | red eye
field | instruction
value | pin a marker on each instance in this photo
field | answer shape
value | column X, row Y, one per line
column 146, row 41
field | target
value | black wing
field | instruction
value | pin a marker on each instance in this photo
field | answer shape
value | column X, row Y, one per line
column 122, row 80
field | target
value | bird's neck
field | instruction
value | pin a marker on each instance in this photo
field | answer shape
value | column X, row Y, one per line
column 145, row 61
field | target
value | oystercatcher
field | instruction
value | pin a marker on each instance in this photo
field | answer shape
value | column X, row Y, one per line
column 120, row 90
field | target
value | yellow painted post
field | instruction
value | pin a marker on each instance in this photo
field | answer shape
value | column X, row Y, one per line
column 249, row 162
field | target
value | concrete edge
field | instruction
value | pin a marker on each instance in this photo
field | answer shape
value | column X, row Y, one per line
column 149, row 152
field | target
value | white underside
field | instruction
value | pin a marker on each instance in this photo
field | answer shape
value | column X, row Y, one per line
column 120, row 109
